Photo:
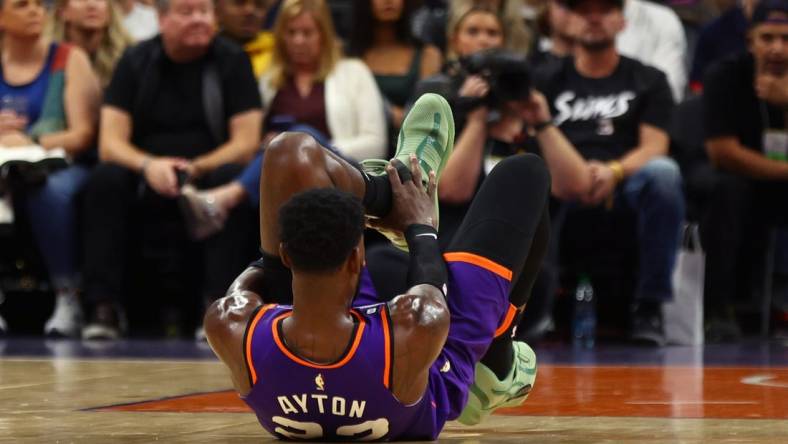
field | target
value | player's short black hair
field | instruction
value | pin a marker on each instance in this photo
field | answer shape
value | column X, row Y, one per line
column 319, row 228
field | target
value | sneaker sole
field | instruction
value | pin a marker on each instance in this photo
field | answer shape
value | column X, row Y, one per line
column 438, row 107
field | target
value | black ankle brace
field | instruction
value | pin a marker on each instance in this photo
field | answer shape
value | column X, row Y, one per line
column 377, row 195
column 278, row 279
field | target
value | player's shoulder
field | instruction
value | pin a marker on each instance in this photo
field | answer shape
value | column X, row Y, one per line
column 235, row 308
column 226, row 324
column 227, row 319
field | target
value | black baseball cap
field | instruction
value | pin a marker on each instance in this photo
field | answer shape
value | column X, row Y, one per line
column 765, row 8
column 572, row 4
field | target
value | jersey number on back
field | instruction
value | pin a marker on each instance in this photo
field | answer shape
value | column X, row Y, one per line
column 365, row 431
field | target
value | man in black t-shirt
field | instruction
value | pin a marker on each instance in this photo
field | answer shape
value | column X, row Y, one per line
column 183, row 104
column 745, row 109
column 614, row 110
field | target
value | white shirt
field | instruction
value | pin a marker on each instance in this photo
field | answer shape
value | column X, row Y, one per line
column 142, row 22
column 654, row 36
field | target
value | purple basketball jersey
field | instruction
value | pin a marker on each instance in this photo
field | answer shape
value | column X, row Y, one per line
column 348, row 400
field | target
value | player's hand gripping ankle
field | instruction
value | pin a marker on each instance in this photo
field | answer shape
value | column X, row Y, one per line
column 411, row 203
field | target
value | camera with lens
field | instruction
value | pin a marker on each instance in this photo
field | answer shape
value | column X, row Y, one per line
column 506, row 72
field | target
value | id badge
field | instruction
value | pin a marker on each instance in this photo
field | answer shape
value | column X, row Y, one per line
column 775, row 144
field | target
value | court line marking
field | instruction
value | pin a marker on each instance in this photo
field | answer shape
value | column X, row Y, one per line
column 763, row 380
column 113, row 407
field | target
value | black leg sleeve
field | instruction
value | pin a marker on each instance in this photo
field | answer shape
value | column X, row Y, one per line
column 277, row 280
column 508, row 221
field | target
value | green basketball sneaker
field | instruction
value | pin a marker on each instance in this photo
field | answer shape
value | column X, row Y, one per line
column 428, row 132
column 488, row 393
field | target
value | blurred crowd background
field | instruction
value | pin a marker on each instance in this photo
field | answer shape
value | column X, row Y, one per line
column 663, row 125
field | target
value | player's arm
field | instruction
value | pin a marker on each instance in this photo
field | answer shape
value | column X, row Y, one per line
column 421, row 325
column 420, row 317
column 226, row 320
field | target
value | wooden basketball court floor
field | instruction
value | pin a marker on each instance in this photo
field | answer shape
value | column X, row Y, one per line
column 163, row 391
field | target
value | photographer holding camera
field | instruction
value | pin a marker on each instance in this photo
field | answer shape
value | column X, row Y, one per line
column 495, row 109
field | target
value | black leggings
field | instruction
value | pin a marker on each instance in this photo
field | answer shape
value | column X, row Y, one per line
column 511, row 231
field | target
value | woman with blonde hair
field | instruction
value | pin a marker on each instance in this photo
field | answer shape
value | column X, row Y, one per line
column 95, row 26
column 307, row 69
column 519, row 33
column 310, row 88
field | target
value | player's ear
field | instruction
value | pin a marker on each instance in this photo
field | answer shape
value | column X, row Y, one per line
column 283, row 256
column 356, row 259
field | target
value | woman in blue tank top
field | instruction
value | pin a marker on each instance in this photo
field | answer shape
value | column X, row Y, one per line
column 50, row 96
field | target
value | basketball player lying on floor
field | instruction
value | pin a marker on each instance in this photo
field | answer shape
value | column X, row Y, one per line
column 339, row 365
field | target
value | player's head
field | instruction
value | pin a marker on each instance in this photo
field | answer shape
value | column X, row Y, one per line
column 320, row 229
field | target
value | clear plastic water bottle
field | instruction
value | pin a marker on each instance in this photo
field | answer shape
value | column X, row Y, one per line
column 584, row 319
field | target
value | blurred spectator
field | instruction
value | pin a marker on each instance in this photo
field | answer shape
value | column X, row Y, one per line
column 519, row 34
column 478, row 29
column 562, row 40
column 182, row 104
column 95, row 26
column 615, row 110
column 654, row 36
column 485, row 134
column 308, row 88
column 474, row 29
column 139, row 18
column 727, row 34
column 270, row 16
column 745, row 101
column 396, row 59
column 242, row 21
column 557, row 38
column 49, row 98
column 487, row 131
column 310, row 84
column 430, row 22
